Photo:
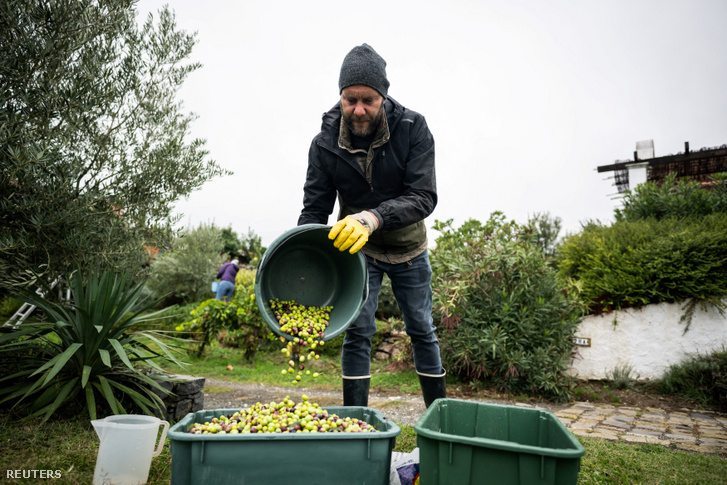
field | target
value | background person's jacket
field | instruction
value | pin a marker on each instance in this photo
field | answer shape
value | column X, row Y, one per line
column 227, row 272
column 399, row 187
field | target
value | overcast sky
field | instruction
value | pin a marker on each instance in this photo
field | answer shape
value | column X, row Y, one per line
column 525, row 99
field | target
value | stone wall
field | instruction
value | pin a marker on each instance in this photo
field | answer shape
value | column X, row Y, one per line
column 648, row 339
column 186, row 397
column 392, row 346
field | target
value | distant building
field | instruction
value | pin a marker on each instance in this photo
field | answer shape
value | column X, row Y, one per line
column 695, row 165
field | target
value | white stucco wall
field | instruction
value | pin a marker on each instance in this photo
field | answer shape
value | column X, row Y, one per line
column 648, row 339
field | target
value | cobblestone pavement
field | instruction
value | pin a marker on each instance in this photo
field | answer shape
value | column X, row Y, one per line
column 686, row 429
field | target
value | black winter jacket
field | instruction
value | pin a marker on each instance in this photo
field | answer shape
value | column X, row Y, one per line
column 402, row 188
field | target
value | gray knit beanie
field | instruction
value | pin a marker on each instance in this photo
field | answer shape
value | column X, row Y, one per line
column 364, row 66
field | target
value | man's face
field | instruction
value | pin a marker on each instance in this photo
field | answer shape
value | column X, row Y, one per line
column 362, row 109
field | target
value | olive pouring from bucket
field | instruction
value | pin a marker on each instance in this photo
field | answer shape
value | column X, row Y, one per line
column 303, row 266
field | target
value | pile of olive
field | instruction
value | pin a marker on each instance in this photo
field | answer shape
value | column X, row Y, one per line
column 283, row 417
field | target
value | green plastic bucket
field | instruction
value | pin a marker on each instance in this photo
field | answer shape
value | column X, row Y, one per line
column 468, row 442
column 284, row 458
column 304, row 266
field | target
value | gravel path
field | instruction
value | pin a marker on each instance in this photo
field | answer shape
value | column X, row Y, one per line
column 403, row 409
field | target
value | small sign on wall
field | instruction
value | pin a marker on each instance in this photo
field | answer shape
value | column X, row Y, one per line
column 582, row 342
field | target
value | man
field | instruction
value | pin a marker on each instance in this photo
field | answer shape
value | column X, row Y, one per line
column 377, row 157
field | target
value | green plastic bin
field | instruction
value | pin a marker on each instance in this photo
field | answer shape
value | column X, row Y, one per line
column 283, row 458
column 466, row 442
column 303, row 265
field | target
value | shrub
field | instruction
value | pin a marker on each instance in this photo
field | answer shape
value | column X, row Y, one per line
column 184, row 273
column 503, row 315
column 546, row 229
column 84, row 354
column 648, row 261
column 622, row 377
column 701, row 378
column 674, row 199
column 238, row 321
column 8, row 307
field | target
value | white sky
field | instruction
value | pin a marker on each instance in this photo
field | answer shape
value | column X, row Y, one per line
column 524, row 98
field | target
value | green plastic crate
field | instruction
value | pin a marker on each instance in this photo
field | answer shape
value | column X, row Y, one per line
column 466, row 442
column 283, row 458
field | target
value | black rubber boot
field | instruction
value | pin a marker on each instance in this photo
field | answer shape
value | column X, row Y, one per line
column 433, row 387
column 356, row 391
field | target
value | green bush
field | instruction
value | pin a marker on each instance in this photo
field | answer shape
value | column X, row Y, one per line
column 648, row 261
column 701, row 378
column 622, row 377
column 84, row 354
column 8, row 307
column 674, row 199
column 237, row 323
column 503, row 315
column 183, row 274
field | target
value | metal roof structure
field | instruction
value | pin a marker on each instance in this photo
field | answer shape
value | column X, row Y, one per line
column 696, row 165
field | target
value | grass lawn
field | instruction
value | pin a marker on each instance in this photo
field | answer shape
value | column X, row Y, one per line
column 267, row 366
column 70, row 446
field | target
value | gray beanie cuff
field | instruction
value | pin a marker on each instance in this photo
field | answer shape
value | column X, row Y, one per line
column 363, row 65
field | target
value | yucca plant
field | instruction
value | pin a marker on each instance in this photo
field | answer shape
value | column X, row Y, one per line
column 85, row 353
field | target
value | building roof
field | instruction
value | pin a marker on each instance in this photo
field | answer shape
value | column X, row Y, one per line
column 696, row 165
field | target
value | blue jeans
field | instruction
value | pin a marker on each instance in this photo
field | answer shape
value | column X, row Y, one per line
column 225, row 290
column 411, row 284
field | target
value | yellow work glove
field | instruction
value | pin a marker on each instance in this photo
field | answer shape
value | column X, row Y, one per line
column 353, row 231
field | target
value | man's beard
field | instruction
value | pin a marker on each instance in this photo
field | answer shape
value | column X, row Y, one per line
column 372, row 127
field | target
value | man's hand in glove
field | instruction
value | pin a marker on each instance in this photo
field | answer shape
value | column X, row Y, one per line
column 353, row 231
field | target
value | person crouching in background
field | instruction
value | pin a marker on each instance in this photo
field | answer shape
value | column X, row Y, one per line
column 227, row 274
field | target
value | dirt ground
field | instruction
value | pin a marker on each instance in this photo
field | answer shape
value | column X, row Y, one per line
column 407, row 407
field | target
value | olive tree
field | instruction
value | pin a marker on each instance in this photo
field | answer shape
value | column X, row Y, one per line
column 94, row 145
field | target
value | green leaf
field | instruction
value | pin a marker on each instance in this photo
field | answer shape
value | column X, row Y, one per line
column 105, row 357
column 22, row 332
column 108, row 394
column 140, row 400
column 65, row 391
column 91, row 402
column 60, row 361
column 121, row 353
column 85, row 375
column 164, row 348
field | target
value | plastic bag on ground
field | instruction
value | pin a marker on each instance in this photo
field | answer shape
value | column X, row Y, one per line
column 404, row 468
